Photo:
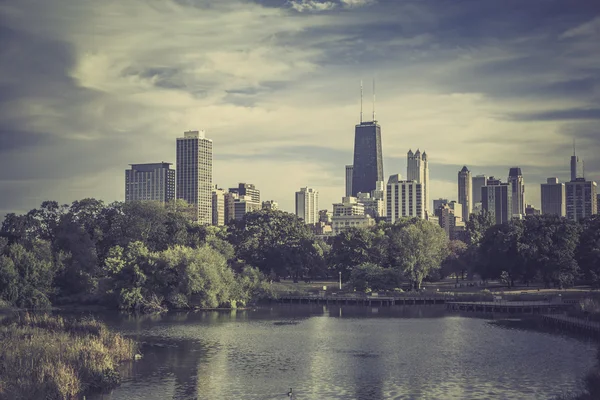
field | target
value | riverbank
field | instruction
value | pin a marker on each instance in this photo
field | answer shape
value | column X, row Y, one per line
column 42, row 356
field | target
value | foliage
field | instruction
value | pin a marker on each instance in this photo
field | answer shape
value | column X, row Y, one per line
column 71, row 357
column 369, row 276
column 588, row 250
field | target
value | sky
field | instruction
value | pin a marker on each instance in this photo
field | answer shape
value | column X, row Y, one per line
column 88, row 87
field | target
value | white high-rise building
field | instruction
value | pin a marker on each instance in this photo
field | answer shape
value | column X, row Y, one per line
column 404, row 199
column 417, row 169
column 465, row 192
column 349, row 171
column 194, row 174
column 307, row 205
column 218, row 206
column 554, row 198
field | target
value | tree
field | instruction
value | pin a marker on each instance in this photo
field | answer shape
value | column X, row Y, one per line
column 456, row 261
column 371, row 276
column 588, row 250
column 477, row 225
column 417, row 249
column 356, row 246
column 501, row 252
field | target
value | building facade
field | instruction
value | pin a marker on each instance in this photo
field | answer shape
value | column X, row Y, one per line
column 497, row 200
column 450, row 219
column 554, row 199
column 367, row 168
column 243, row 205
column 271, row 205
column 404, row 199
column 477, row 182
column 581, row 198
column 247, row 189
column 576, row 166
column 194, row 174
column 307, row 205
column 465, row 192
column 517, row 185
column 349, row 172
column 218, row 207
column 153, row 182
column 417, row 169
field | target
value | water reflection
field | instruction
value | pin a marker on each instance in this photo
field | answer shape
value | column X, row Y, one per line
column 347, row 352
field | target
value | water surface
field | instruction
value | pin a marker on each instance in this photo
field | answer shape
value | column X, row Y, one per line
column 348, row 352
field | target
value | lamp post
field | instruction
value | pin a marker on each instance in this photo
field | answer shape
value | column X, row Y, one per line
column 340, row 280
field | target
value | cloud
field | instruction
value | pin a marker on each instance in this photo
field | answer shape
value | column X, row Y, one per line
column 312, row 5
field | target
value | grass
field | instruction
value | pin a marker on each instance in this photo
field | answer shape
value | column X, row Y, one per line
column 48, row 357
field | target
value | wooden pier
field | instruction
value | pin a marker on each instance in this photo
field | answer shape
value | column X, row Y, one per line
column 509, row 307
column 362, row 300
column 572, row 323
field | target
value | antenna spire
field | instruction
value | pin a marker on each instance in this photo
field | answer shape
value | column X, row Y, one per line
column 573, row 146
column 373, row 99
column 361, row 101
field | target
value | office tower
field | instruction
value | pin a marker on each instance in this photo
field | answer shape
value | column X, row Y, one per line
column 367, row 168
column 349, row 214
column 218, row 206
column 438, row 203
column 374, row 202
column 497, row 200
column 581, row 199
column 247, row 189
column 307, row 205
column 155, row 182
column 576, row 166
column 229, row 201
column 531, row 210
column 404, row 199
column 194, row 174
column 417, row 169
column 349, row 169
column 515, row 180
column 477, row 183
column 271, row 205
column 325, row 216
column 554, row 198
column 491, row 181
column 243, row 205
column 465, row 192
column 450, row 219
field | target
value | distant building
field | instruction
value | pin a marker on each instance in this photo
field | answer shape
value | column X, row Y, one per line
column 154, row 182
column 349, row 169
column 194, row 174
column 374, row 202
column 554, row 199
column 243, row 205
column 531, row 210
column 581, row 199
column 515, row 180
column 417, row 169
column 325, row 216
column 477, row 182
column 367, row 167
column 307, row 205
column 465, row 192
column 576, row 166
column 349, row 214
column 497, row 200
column 437, row 203
column 404, row 199
column 348, row 206
column 247, row 189
column 229, row 202
column 450, row 219
column 270, row 205
column 218, row 207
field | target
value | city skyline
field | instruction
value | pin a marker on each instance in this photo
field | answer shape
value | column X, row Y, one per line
column 473, row 85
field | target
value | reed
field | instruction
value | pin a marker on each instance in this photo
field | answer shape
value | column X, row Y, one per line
column 49, row 357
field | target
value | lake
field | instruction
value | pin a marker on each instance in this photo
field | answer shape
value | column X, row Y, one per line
column 345, row 352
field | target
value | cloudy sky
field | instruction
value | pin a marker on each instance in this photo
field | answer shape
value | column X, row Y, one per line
column 88, row 87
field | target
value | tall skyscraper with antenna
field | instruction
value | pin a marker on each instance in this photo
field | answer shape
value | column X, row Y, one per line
column 368, row 159
column 576, row 165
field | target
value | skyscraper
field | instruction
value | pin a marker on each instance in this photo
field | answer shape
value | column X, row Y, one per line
column 218, row 206
column 465, row 192
column 417, row 169
column 497, row 200
column 307, row 205
column 576, row 165
column 194, row 174
column 367, row 168
column 404, row 199
column 581, row 197
column 247, row 189
column 553, row 198
column 515, row 180
column 154, row 182
column 478, row 182
column 349, row 169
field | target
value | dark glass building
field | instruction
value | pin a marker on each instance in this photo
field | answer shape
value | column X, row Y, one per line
column 368, row 159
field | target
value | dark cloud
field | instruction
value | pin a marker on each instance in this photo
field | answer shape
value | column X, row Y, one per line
column 558, row 115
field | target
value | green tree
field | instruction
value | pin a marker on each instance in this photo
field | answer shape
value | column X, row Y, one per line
column 588, row 250
column 456, row 261
column 369, row 276
column 356, row 246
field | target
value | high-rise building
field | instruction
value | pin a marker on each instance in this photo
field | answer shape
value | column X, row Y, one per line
column 367, row 168
column 554, row 198
column 325, row 216
column 404, row 199
column 349, row 214
column 437, row 203
column 247, row 189
column 450, row 218
column 349, row 172
column 531, row 210
column 270, row 205
column 307, row 205
column 155, row 182
column 478, row 182
column 576, row 166
column 497, row 200
column 417, row 169
column 194, row 174
column 515, row 180
column 465, row 193
column 242, row 205
column 374, row 202
column 229, row 201
column 581, row 198
column 218, row 206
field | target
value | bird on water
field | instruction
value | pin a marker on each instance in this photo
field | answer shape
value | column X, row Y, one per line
column 290, row 394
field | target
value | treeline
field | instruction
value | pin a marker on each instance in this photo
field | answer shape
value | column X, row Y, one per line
column 147, row 256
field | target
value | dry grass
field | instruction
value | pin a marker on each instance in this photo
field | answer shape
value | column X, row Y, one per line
column 48, row 357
